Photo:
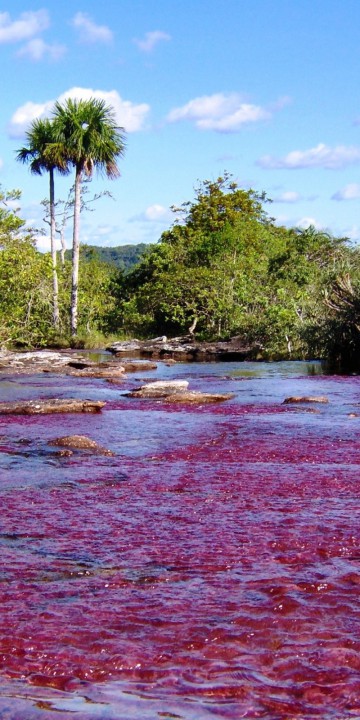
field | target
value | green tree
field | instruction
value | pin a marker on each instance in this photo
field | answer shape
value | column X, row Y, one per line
column 44, row 153
column 89, row 131
column 199, row 275
column 25, row 280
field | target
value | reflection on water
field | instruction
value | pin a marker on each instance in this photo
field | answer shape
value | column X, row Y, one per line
column 210, row 569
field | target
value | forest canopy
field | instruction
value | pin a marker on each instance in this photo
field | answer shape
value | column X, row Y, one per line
column 223, row 268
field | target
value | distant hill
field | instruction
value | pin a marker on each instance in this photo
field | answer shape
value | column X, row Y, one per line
column 124, row 257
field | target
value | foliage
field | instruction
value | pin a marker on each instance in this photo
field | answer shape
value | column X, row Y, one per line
column 88, row 130
column 226, row 269
column 25, row 280
column 122, row 257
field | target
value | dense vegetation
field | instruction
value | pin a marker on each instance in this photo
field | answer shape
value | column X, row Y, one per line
column 224, row 268
column 123, row 257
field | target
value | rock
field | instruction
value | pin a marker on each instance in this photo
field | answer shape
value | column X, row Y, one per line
column 80, row 442
column 80, row 364
column 38, row 361
column 99, row 372
column 160, row 388
column 125, row 346
column 42, row 407
column 132, row 367
column 198, row 397
column 306, row 399
column 186, row 348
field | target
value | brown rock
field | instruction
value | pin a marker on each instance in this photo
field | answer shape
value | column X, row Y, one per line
column 306, row 399
column 100, row 372
column 198, row 397
column 42, row 407
column 81, row 442
column 138, row 366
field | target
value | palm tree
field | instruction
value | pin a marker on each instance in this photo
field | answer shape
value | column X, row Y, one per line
column 44, row 154
column 89, row 131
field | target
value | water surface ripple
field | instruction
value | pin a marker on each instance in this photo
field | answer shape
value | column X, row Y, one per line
column 210, row 569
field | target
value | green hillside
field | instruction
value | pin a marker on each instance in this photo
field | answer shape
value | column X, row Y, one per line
column 124, row 257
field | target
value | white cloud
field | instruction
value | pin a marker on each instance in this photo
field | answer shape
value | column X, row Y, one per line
column 151, row 39
column 305, row 222
column 289, row 196
column 154, row 213
column 353, row 233
column 1, row 163
column 26, row 26
column 349, row 192
column 128, row 115
column 89, row 31
column 37, row 49
column 223, row 112
column 320, row 156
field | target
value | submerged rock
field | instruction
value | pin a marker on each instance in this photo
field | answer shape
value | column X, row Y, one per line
column 80, row 442
column 42, row 407
column 306, row 399
column 160, row 388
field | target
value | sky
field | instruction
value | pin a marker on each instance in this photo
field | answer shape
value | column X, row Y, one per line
column 266, row 90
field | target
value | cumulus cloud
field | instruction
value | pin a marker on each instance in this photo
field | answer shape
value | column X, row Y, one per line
column 349, row 192
column 89, row 31
column 26, row 26
column 128, row 115
column 154, row 213
column 151, row 39
column 321, row 156
column 37, row 49
column 222, row 112
column 289, row 196
column 306, row 222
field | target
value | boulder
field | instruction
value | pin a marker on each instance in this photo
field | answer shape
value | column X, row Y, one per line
column 132, row 367
column 306, row 399
column 160, row 388
column 79, row 442
column 42, row 407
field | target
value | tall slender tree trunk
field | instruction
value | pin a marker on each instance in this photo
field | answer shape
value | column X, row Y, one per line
column 56, row 316
column 76, row 251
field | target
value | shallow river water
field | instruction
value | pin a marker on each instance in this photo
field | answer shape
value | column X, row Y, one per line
column 210, row 569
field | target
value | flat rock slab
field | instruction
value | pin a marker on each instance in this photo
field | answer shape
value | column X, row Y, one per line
column 198, row 397
column 160, row 388
column 99, row 372
column 132, row 367
column 81, row 442
column 185, row 348
column 43, row 407
column 306, row 399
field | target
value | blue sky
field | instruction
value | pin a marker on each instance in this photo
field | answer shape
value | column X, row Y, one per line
column 267, row 90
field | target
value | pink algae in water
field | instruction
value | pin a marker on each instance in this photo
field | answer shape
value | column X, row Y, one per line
column 210, row 569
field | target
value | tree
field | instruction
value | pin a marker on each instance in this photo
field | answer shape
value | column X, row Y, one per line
column 89, row 131
column 25, row 280
column 45, row 154
column 64, row 211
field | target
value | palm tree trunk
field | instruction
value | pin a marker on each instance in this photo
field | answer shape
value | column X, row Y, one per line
column 56, row 317
column 76, row 251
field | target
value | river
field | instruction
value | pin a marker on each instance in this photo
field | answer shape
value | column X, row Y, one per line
column 209, row 569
